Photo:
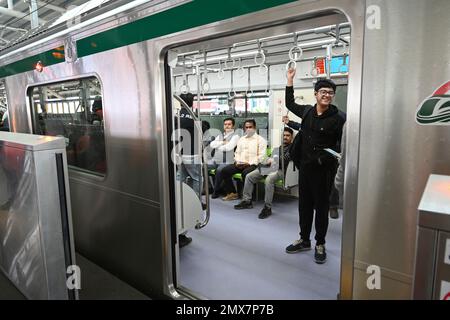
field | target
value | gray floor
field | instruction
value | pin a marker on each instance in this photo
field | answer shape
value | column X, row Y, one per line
column 238, row 256
column 96, row 284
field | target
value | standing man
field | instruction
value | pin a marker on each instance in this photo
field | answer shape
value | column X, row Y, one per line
column 276, row 174
column 223, row 146
column 321, row 129
column 250, row 151
column 191, row 166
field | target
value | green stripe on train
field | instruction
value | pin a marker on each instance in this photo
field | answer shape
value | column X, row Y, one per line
column 47, row 58
column 183, row 17
column 187, row 16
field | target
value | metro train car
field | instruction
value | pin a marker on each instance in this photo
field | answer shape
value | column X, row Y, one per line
column 111, row 86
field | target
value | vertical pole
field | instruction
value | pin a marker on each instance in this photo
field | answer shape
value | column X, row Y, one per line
column 199, row 85
column 329, row 58
column 34, row 14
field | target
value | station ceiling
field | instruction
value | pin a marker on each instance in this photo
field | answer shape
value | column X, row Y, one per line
column 22, row 19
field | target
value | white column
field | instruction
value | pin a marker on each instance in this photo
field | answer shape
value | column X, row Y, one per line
column 34, row 14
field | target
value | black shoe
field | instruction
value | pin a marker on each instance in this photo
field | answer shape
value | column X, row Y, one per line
column 320, row 255
column 244, row 205
column 298, row 245
column 265, row 212
column 334, row 214
column 215, row 195
column 183, row 240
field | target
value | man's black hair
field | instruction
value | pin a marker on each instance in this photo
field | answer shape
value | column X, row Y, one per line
column 230, row 119
column 289, row 130
column 324, row 83
column 188, row 98
column 252, row 121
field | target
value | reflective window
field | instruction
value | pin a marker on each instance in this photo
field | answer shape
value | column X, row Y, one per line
column 73, row 110
column 258, row 104
column 240, row 106
column 4, row 119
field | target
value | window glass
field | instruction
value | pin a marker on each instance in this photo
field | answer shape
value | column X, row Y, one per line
column 73, row 110
column 4, row 121
column 258, row 105
column 223, row 105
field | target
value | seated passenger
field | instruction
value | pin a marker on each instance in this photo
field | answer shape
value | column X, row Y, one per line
column 250, row 152
column 97, row 111
column 223, row 145
column 255, row 176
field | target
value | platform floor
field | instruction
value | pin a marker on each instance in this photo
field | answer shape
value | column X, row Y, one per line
column 96, row 284
column 7, row 290
column 238, row 256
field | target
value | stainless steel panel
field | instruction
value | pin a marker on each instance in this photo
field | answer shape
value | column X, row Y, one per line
column 50, row 223
column 132, row 134
column 31, row 232
column 391, row 289
column 442, row 271
column 434, row 207
column 21, row 248
column 120, row 233
column 396, row 154
column 31, row 143
column 424, row 267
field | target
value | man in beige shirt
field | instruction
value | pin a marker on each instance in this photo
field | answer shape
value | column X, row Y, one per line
column 250, row 151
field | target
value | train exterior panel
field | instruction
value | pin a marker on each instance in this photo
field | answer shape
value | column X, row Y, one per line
column 123, row 221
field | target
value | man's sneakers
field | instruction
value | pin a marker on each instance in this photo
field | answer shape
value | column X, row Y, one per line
column 320, row 254
column 231, row 196
column 334, row 214
column 298, row 245
column 265, row 212
column 244, row 205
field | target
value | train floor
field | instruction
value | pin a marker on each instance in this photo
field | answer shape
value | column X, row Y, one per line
column 96, row 284
column 238, row 256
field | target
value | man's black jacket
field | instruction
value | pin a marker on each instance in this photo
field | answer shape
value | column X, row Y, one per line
column 187, row 123
column 317, row 133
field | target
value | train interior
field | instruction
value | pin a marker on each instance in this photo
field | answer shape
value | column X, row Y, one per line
column 233, row 254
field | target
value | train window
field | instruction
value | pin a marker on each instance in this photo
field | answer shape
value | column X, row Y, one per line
column 4, row 121
column 74, row 110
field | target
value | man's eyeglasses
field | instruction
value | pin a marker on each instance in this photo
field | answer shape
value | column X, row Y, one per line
column 249, row 127
column 324, row 92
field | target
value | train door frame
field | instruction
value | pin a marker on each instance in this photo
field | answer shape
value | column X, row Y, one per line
column 354, row 11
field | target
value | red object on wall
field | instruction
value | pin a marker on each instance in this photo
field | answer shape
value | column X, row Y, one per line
column 320, row 66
